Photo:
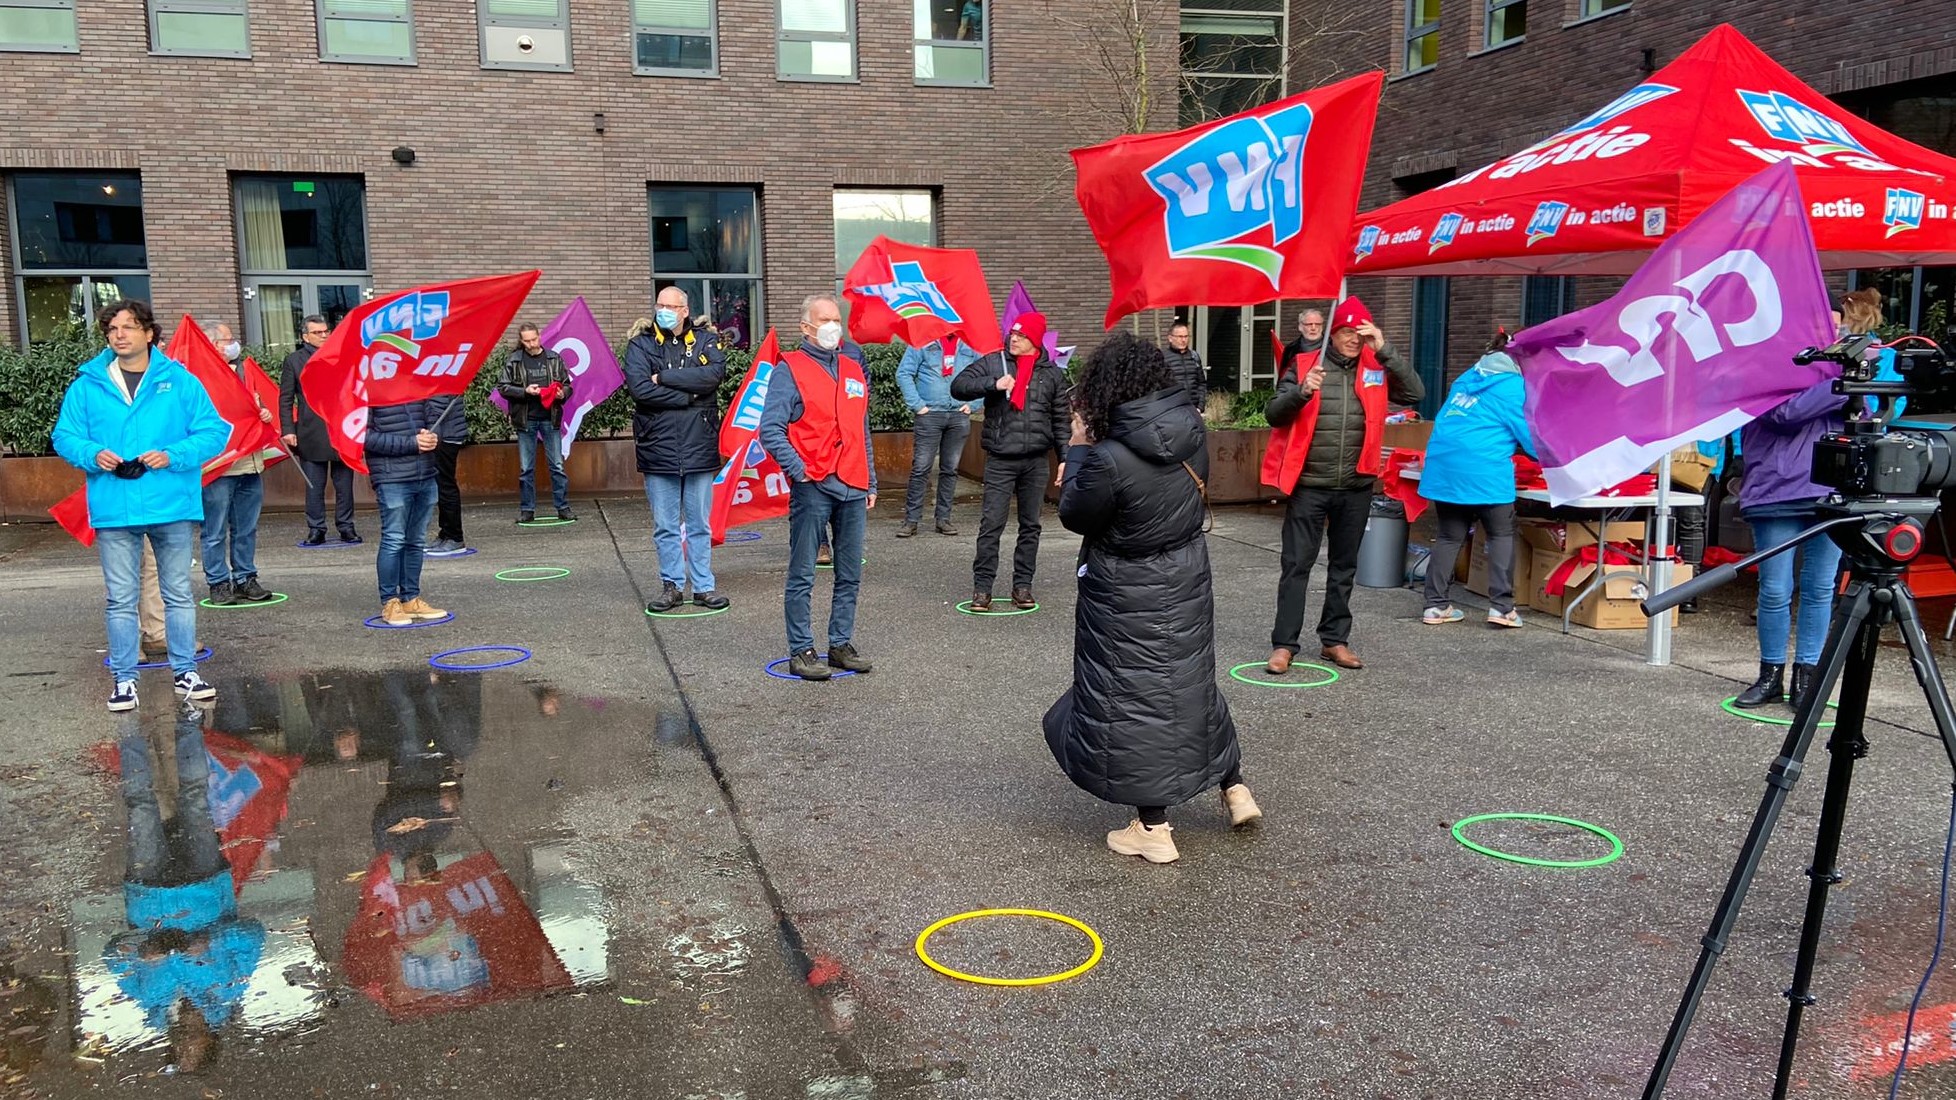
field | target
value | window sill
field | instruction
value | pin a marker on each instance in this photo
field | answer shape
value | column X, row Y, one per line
column 1499, row 46
column 787, row 78
column 39, row 49
column 981, row 84
column 201, row 53
column 397, row 62
column 1598, row 15
column 1410, row 74
column 683, row 74
column 515, row 67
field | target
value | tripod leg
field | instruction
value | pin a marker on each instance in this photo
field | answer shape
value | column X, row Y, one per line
column 1926, row 672
column 1845, row 747
column 1850, row 613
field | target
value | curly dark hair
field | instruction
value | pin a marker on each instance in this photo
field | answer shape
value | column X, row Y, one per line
column 136, row 308
column 1124, row 367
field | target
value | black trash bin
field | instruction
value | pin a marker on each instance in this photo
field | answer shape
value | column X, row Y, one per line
column 1382, row 553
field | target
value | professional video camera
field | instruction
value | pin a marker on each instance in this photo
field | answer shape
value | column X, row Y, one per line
column 1867, row 459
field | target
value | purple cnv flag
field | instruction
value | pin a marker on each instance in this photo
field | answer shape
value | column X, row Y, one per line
column 593, row 368
column 1021, row 302
column 1698, row 342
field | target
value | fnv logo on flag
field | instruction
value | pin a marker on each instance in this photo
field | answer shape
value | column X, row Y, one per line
column 915, row 294
column 911, row 295
column 1699, row 342
column 1444, row 231
column 1238, row 211
column 1547, row 221
column 750, row 486
column 1785, row 118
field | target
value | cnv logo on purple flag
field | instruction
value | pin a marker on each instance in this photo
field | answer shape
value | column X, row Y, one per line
column 1697, row 343
column 595, row 374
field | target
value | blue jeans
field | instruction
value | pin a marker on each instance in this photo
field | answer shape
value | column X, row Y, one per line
column 553, row 453
column 121, row 549
column 1819, row 565
column 186, row 848
column 814, row 517
column 231, row 507
column 404, row 510
column 686, row 499
column 937, row 440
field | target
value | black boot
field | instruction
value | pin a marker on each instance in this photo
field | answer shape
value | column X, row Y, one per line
column 1769, row 688
column 1803, row 680
column 1690, row 606
column 668, row 598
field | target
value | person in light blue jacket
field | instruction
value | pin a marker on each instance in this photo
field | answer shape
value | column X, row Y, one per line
column 141, row 427
column 1470, row 478
column 942, row 423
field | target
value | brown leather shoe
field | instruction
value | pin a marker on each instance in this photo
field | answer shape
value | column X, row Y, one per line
column 1022, row 599
column 1341, row 655
column 1279, row 662
column 981, row 602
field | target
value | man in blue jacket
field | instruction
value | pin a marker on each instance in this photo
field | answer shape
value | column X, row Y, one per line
column 141, row 427
column 942, row 423
column 400, row 450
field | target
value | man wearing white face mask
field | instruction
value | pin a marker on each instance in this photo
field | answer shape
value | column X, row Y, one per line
column 232, row 503
column 816, row 425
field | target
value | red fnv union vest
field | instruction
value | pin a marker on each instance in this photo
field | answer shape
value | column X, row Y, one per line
column 1283, row 460
column 830, row 437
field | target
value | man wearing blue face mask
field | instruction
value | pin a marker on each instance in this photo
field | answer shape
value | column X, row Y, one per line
column 674, row 370
column 232, row 503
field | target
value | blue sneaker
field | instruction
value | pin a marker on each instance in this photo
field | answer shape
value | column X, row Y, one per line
column 1438, row 616
column 193, row 687
column 124, row 696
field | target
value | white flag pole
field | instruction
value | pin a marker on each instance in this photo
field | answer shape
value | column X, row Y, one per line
column 1657, row 632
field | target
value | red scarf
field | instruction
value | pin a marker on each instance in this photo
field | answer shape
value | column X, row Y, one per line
column 950, row 355
column 1022, row 381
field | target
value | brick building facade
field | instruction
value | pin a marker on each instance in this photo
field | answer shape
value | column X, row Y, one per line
column 530, row 167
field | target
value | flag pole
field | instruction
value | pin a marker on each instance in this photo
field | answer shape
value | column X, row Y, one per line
column 1657, row 632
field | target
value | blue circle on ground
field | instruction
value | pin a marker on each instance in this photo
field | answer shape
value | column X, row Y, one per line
column 439, row 660
column 202, row 655
column 462, row 553
column 772, row 665
column 377, row 624
column 742, row 536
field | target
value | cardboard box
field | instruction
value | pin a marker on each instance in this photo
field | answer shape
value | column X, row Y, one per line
column 1615, row 607
column 1556, row 536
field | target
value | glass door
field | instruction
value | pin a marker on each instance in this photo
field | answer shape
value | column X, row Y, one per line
column 276, row 307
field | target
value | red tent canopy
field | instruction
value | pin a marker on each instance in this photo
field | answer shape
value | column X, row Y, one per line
column 1598, row 196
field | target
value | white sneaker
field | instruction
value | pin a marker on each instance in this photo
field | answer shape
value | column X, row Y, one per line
column 124, row 696
column 192, row 687
column 1439, row 616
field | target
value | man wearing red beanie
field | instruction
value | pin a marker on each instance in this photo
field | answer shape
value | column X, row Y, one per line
column 1026, row 415
column 1325, row 455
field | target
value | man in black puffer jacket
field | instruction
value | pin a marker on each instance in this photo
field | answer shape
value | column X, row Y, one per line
column 1185, row 366
column 400, row 450
column 1026, row 416
column 673, row 370
column 531, row 373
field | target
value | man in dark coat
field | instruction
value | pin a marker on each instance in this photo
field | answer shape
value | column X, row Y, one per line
column 674, row 371
column 1185, row 365
column 532, row 373
column 1144, row 723
column 1025, row 418
column 400, row 450
column 305, row 432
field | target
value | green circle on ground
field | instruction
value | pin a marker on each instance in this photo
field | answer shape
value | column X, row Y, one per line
column 546, row 573
column 965, row 607
column 1616, row 846
column 277, row 597
column 1237, row 674
column 701, row 613
column 553, row 522
column 1729, row 706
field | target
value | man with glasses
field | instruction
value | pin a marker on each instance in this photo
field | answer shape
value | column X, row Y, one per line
column 141, row 427
column 305, row 432
column 1310, row 338
column 1185, row 365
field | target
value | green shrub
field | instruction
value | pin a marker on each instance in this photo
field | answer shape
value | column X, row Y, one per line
column 1246, row 409
column 32, row 382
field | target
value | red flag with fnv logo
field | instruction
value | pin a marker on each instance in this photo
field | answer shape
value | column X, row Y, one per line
column 407, row 347
column 750, row 486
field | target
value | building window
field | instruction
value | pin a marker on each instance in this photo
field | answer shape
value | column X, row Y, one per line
column 1546, row 297
column 675, row 38
column 1598, row 7
column 707, row 242
column 525, row 34
column 862, row 215
column 199, row 28
column 368, row 32
column 953, row 42
column 1231, row 57
column 78, row 245
column 1507, row 21
column 302, row 249
column 1430, row 299
column 1422, row 35
column 38, row 26
column 818, row 40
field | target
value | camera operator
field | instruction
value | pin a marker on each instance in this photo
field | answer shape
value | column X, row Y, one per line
column 1778, row 498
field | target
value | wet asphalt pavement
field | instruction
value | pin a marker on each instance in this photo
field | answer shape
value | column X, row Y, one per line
column 634, row 865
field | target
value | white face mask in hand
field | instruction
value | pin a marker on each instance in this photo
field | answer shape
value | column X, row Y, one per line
column 829, row 336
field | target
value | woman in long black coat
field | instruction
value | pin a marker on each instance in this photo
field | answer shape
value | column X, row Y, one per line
column 1144, row 723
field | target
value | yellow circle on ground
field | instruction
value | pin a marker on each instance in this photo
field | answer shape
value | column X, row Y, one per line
column 1092, row 960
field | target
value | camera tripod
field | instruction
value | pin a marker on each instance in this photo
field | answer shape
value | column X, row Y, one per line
column 1877, row 539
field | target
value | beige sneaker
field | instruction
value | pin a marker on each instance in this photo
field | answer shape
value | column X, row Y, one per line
column 1242, row 809
column 420, row 609
column 1156, row 845
column 394, row 613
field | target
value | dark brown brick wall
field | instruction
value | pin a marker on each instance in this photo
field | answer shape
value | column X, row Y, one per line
column 510, row 174
column 1476, row 106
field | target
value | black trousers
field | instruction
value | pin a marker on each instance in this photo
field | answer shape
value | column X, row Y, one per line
column 1693, row 523
column 1311, row 517
column 1007, row 477
column 342, row 474
column 448, row 496
column 1497, row 524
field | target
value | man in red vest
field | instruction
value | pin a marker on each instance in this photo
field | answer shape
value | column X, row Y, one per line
column 816, row 425
column 1325, row 455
